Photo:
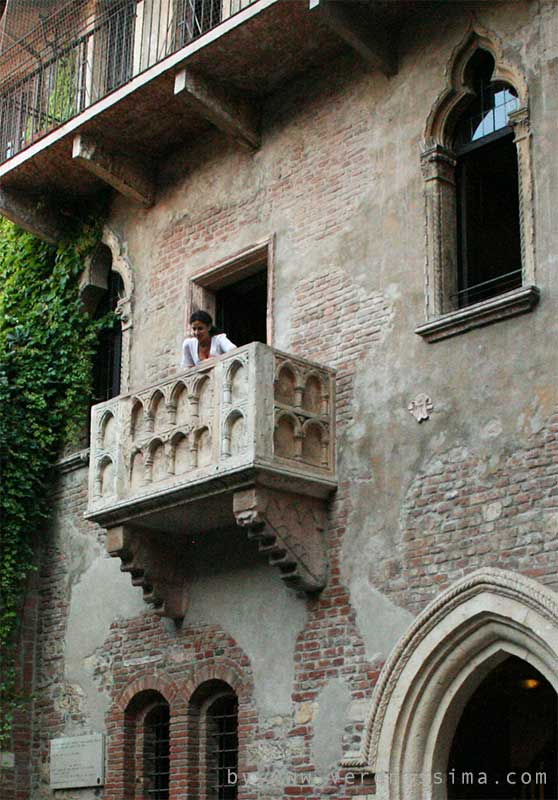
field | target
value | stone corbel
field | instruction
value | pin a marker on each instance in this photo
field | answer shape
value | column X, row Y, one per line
column 289, row 530
column 157, row 570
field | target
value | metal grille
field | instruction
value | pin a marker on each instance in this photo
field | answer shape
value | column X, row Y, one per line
column 156, row 764
column 54, row 64
column 222, row 748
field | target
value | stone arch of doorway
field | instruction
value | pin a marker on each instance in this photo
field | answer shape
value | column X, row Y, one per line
column 436, row 667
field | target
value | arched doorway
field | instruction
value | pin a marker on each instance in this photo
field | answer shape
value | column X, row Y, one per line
column 489, row 620
column 504, row 746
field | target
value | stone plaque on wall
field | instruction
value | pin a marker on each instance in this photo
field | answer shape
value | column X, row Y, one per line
column 77, row 762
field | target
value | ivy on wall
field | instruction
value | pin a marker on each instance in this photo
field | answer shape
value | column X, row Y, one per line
column 46, row 349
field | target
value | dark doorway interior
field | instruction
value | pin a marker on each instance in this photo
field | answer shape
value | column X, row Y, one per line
column 506, row 738
column 241, row 309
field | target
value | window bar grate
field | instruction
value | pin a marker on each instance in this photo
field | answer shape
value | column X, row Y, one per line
column 156, row 754
column 223, row 748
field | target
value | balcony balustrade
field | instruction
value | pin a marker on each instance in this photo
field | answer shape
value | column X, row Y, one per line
column 76, row 56
column 98, row 94
column 248, row 438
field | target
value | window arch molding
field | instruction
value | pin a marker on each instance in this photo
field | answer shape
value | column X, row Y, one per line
column 438, row 162
column 436, row 667
column 125, row 735
column 111, row 256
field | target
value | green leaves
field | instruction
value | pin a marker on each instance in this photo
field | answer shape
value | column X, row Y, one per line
column 46, row 349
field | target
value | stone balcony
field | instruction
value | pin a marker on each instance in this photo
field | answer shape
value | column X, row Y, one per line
column 246, row 439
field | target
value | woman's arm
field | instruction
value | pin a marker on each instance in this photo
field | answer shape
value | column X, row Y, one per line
column 187, row 360
column 225, row 344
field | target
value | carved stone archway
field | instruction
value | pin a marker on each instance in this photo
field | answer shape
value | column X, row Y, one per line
column 436, row 667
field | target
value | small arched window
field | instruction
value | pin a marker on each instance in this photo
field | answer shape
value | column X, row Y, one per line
column 108, row 358
column 488, row 232
column 156, row 753
column 213, row 732
column 222, row 746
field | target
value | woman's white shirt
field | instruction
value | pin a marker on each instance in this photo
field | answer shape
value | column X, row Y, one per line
column 219, row 345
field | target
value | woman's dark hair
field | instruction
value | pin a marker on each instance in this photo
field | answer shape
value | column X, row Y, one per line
column 203, row 316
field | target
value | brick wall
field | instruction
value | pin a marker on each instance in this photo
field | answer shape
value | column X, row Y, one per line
column 466, row 510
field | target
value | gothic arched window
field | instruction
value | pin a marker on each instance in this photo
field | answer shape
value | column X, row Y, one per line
column 108, row 358
column 476, row 164
column 488, row 234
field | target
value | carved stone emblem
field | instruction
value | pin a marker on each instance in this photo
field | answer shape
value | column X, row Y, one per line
column 421, row 407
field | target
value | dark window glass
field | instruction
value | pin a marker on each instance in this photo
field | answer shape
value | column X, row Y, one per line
column 107, row 361
column 156, row 764
column 489, row 245
column 222, row 748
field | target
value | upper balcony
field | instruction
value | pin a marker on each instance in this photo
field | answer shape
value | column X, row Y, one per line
column 245, row 439
column 98, row 93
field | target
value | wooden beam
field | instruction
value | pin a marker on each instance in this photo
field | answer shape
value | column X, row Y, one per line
column 122, row 173
column 32, row 215
column 233, row 115
column 351, row 22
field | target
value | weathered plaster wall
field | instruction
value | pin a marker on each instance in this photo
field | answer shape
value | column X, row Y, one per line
column 338, row 182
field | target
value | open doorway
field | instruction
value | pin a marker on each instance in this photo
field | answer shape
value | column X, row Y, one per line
column 504, row 747
column 238, row 293
column 241, row 309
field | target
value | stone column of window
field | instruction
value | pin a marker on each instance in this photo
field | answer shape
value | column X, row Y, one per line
column 519, row 120
column 438, row 168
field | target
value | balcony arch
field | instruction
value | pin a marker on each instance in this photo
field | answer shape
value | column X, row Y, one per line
column 450, row 648
column 137, row 418
column 106, row 477
column 235, row 385
column 180, row 453
column 200, row 397
column 156, row 411
column 202, row 447
column 234, row 433
column 315, row 442
column 156, row 464
column 137, row 468
column 288, row 385
column 178, row 404
column 314, row 396
column 107, row 430
column 287, row 439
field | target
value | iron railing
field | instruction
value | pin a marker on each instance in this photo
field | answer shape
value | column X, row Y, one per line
column 67, row 63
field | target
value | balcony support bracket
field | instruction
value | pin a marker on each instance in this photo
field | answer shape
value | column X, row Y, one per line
column 233, row 115
column 154, row 566
column 368, row 37
column 288, row 528
column 31, row 215
column 123, row 174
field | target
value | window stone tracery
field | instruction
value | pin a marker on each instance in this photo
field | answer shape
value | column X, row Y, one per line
column 438, row 162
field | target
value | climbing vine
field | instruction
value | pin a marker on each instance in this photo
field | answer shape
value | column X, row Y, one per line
column 46, row 349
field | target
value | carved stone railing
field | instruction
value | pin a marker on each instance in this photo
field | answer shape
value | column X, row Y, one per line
column 249, row 436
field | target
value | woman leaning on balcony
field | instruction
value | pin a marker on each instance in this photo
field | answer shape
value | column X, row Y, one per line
column 206, row 341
